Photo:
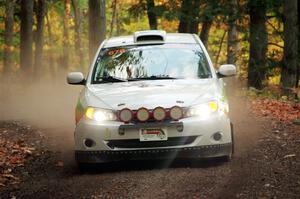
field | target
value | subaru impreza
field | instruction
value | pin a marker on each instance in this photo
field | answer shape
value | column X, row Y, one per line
column 152, row 95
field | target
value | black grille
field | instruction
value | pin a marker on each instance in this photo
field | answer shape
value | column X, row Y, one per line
column 136, row 143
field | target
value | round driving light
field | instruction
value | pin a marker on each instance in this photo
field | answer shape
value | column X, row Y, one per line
column 88, row 143
column 159, row 113
column 125, row 115
column 217, row 136
column 176, row 113
column 142, row 114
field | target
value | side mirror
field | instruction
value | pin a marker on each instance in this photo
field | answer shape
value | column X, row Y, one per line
column 226, row 70
column 76, row 78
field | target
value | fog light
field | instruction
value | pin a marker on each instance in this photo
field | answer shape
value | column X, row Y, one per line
column 179, row 128
column 88, row 143
column 217, row 136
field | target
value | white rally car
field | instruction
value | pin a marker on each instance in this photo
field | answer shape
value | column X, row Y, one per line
column 152, row 95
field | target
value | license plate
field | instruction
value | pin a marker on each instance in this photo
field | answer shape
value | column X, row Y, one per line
column 153, row 134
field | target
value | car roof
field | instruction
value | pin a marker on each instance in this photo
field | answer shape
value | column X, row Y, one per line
column 175, row 38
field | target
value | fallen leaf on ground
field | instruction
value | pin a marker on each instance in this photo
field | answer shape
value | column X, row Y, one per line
column 289, row 156
column 10, row 176
column 60, row 164
column 281, row 110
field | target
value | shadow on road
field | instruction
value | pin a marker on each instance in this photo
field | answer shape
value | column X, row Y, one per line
column 142, row 165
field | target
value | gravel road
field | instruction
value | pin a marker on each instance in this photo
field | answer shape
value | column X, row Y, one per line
column 266, row 165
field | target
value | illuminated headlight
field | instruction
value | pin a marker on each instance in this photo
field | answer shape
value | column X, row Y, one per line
column 203, row 110
column 99, row 114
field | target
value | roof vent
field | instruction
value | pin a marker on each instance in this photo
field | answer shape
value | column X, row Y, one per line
column 149, row 35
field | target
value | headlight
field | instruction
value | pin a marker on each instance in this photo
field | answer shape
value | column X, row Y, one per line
column 99, row 114
column 203, row 110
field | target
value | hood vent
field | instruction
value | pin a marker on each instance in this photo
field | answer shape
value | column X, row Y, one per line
column 150, row 35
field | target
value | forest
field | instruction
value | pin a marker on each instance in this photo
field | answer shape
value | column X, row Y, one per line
column 41, row 38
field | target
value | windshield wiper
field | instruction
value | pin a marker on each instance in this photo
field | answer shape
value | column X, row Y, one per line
column 110, row 79
column 153, row 77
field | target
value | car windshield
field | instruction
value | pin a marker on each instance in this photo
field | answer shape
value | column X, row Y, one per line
column 166, row 61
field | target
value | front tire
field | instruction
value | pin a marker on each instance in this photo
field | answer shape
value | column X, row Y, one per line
column 82, row 167
column 229, row 157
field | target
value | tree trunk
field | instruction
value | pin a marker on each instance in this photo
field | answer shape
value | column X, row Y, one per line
column 118, row 25
column 8, row 36
column 289, row 70
column 66, row 42
column 205, row 31
column 26, row 35
column 50, row 52
column 113, row 18
column 220, row 47
column 97, row 24
column 102, row 22
column 258, row 44
column 39, row 42
column 232, row 46
column 185, row 16
column 194, row 25
column 151, row 14
column 189, row 16
column 77, row 18
column 298, row 70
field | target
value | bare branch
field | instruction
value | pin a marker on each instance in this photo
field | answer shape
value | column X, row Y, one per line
column 280, row 33
column 275, row 44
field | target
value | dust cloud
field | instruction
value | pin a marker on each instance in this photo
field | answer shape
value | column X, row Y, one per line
column 45, row 103
column 247, row 127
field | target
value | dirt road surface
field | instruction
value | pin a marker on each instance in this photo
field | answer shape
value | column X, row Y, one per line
column 266, row 163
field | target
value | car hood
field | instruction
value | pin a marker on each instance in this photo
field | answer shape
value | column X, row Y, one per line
column 150, row 94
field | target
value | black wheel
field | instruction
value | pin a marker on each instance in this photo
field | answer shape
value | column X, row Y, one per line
column 89, row 167
column 82, row 167
column 232, row 139
column 227, row 158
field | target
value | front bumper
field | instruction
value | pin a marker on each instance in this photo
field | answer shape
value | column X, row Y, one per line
column 187, row 138
column 208, row 151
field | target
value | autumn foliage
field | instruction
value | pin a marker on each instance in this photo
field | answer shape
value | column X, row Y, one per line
column 12, row 155
column 276, row 109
